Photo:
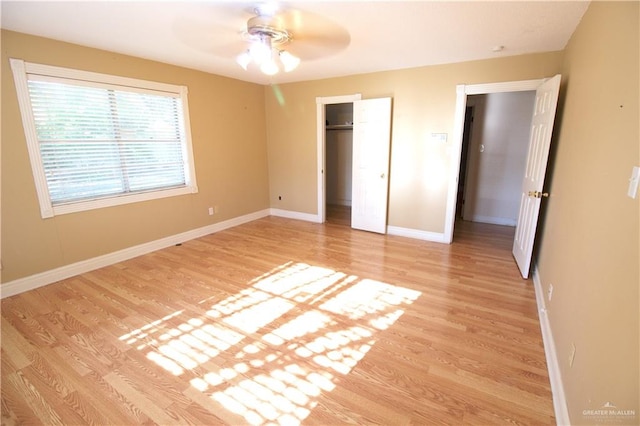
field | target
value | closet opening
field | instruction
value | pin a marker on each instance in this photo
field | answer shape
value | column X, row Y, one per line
column 339, row 159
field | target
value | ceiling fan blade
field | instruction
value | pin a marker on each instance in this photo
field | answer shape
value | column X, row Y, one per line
column 216, row 29
column 311, row 47
column 207, row 40
column 314, row 36
column 213, row 28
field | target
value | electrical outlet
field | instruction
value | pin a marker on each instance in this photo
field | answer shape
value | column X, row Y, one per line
column 550, row 292
column 210, row 211
column 572, row 354
column 279, row 197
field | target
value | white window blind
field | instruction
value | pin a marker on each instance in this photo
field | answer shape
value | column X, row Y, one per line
column 96, row 140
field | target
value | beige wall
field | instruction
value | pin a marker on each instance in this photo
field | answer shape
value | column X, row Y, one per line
column 229, row 143
column 589, row 248
column 423, row 103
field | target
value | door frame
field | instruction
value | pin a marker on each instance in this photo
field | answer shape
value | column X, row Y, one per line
column 321, row 102
column 462, row 91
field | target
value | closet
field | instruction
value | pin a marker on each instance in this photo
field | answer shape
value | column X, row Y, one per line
column 339, row 158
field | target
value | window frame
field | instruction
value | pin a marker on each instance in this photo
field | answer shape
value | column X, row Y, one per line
column 22, row 69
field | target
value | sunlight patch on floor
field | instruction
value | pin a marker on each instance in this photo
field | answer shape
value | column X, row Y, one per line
column 268, row 352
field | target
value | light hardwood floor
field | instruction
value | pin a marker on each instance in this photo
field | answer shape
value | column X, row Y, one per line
column 284, row 322
column 338, row 215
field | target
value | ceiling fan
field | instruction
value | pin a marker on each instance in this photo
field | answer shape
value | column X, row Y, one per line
column 266, row 37
column 272, row 34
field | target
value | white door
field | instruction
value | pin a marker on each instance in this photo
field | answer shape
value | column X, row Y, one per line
column 370, row 173
column 544, row 114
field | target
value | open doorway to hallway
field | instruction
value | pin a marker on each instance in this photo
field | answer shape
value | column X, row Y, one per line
column 493, row 157
column 533, row 173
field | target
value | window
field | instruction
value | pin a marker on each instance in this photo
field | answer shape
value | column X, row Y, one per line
column 97, row 140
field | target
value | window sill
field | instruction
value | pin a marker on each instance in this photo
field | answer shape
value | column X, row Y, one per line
column 116, row 201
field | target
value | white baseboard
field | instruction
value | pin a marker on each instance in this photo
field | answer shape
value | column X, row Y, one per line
column 341, row 202
column 391, row 230
column 289, row 214
column 32, row 282
column 21, row 285
column 555, row 378
column 494, row 220
column 415, row 233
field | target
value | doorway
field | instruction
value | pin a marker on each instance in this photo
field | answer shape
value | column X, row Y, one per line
column 370, row 159
column 531, row 192
column 493, row 158
column 463, row 92
column 321, row 123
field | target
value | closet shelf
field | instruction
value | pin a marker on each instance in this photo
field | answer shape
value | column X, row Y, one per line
column 339, row 127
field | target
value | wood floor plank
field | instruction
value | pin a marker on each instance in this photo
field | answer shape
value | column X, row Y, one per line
column 142, row 400
column 81, row 407
column 92, row 407
column 33, row 398
column 16, row 349
column 283, row 321
column 193, row 414
column 29, row 326
column 118, row 405
column 227, row 415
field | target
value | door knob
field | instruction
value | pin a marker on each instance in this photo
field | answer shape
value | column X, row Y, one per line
column 538, row 194
column 382, row 176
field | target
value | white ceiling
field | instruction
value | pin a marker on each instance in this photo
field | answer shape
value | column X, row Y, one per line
column 205, row 35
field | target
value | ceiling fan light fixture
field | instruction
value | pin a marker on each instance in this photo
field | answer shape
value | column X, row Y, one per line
column 289, row 61
column 269, row 67
column 260, row 50
column 266, row 35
